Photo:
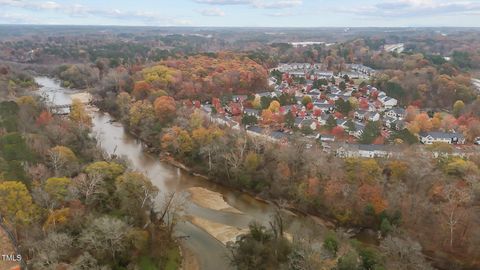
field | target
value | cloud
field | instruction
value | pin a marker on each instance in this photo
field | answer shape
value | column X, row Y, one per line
column 17, row 18
column 212, row 12
column 278, row 4
column 77, row 10
column 414, row 8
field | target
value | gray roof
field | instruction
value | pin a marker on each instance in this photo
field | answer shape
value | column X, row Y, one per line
column 442, row 135
column 372, row 147
column 278, row 135
column 298, row 120
column 399, row 111
column 255, row 129
column 359, row 126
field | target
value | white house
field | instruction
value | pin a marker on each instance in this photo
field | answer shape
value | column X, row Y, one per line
column 373, row 116
column 397, row 113
column 441, row 137
column 387, row 102
column 372, row 151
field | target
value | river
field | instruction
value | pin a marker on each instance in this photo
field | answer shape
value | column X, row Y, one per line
column 209, row 252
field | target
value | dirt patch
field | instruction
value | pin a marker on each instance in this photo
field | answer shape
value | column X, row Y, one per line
column 211, row 200
column 221, row 232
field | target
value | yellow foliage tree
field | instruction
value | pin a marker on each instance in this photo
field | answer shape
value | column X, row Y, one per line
column 78, row 114
column 274, row 106
column 16, row 205
column 160, row 75
column 56, row 217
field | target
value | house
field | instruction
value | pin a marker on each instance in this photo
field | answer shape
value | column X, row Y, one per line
column 298, row 121
column 239, row 98
column 252, row 112
column 387, row 102
column 393, row 123
column 288, row 108
column 341, row 123
column 315, row 92
column 308, row 123
column 322, row 119
column 326, row 138
column 360, row 114
column 266, row 94
column 397, row 113
column 359, row 127
column 279, row 136
column 373, row 116
column 372, row 151
column 441, row 137
column 324, row 107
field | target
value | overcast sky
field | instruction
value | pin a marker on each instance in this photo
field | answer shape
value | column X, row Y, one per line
column 268, row 13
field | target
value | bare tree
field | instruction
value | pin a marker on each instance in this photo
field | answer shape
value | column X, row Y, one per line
column 89, row 186
column 106, row 236
column 456, row 198
column 56, row 161
column 404, row 254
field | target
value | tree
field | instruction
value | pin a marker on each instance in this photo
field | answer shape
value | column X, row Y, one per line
column 385, row 226
column 456, row 198
column 343, row 106
column 249, row 120
column 107, row 170
column 257, row 102
column 141, row 90
column 44, row 118
column 165, row 108
column 274, row 106
column 53, row 249
column 405, row 136
column 58, row 190
column 260, row 249
column 62, row 158
column 306, row 100
column 141, row 114
column 105, row 237
column 370, row 132
column 78, row 114
column 331, row 122
column 56, row 218
column 458, row 108
column 86, row 262
column 268, row 118
column 252, row 161
column 330, row 243
column 338, row 131
column 403, row 254
column 16, row 206
column 349, row 261
column 136, row 194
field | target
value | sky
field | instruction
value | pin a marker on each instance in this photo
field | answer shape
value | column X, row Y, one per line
column 244, row 13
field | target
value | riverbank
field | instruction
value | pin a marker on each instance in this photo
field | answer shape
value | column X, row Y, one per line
column 211, row 200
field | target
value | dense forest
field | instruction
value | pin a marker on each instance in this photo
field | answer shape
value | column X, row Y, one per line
column 65, row 203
